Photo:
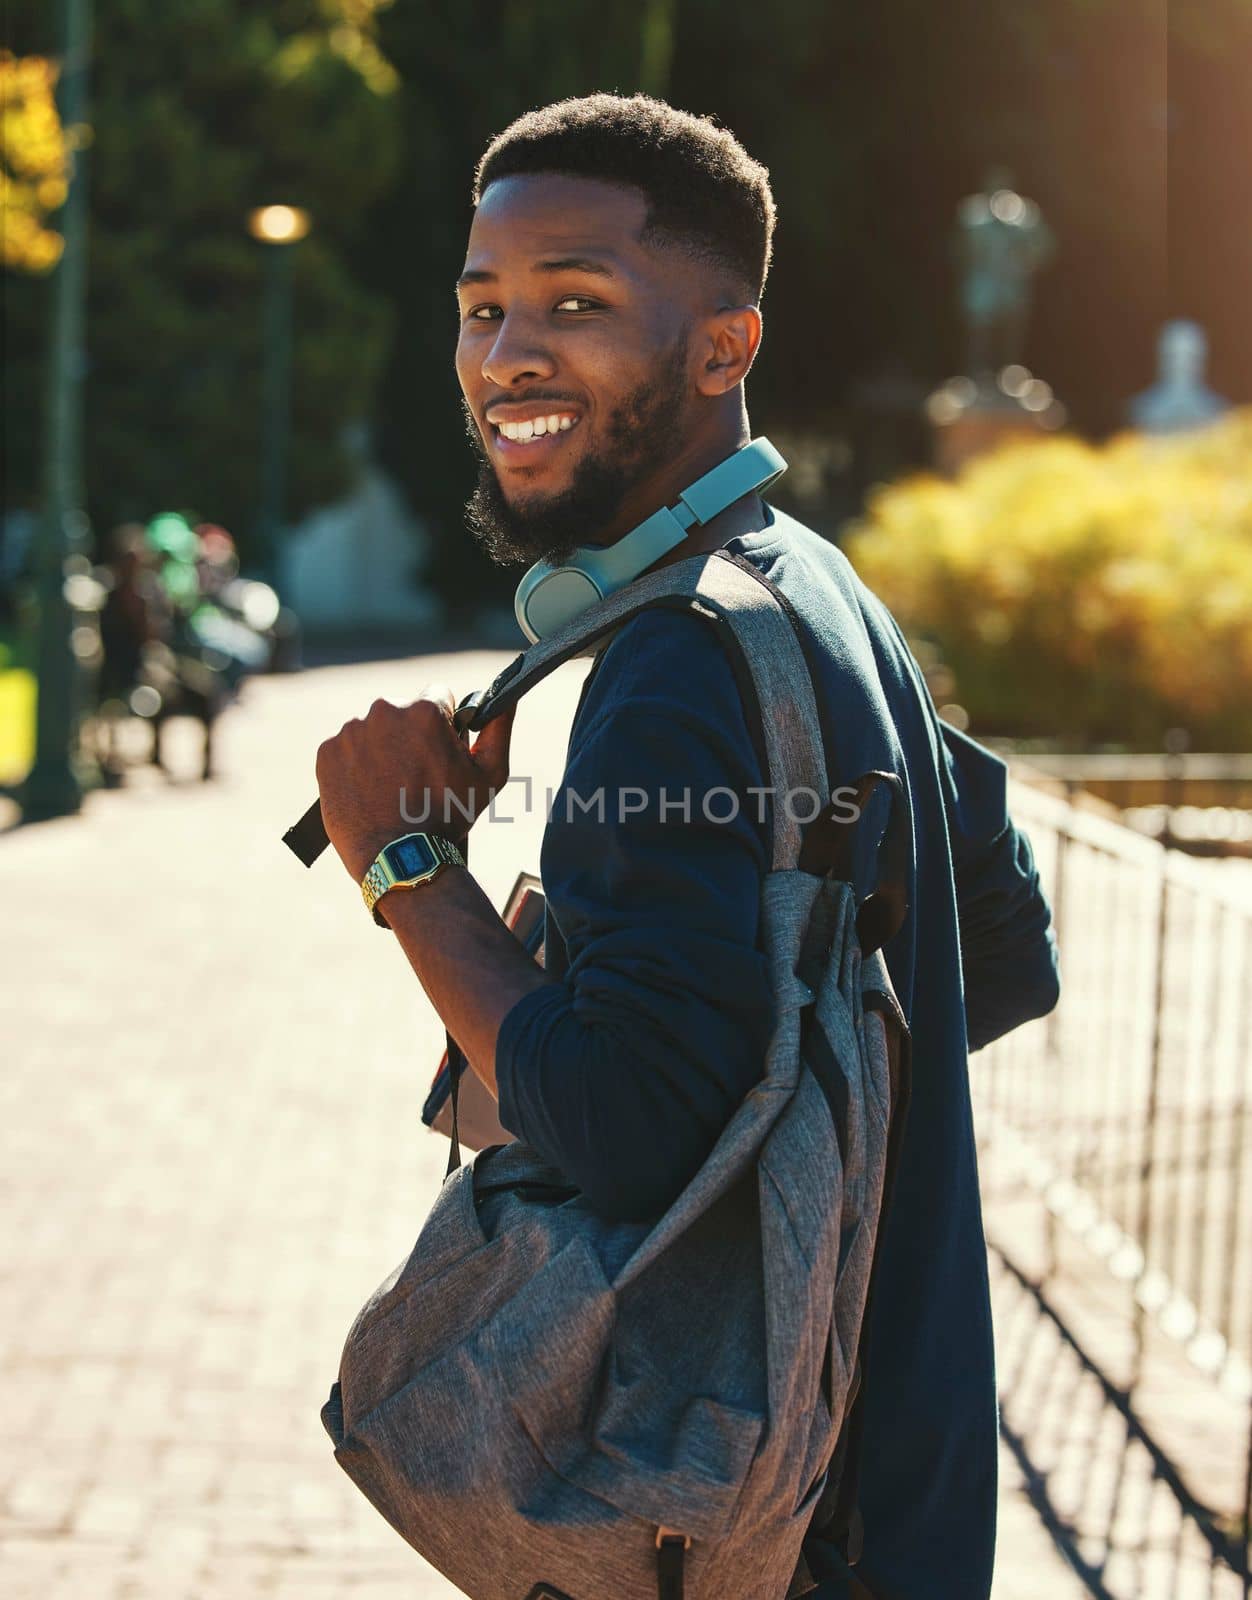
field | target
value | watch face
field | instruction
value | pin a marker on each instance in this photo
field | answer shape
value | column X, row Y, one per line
column 410, row 857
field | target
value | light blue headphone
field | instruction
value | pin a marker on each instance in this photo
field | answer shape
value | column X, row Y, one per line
column 548, row 597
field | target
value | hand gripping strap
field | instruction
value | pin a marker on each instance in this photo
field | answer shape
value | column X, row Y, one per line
column 768, row 655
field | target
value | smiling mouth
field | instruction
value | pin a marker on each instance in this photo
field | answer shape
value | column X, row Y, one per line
column 533, row 432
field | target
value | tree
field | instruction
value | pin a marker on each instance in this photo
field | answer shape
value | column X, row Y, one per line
column 199, row 113
column 34, row 163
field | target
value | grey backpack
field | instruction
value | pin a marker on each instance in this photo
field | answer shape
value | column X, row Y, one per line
column 549, row 1405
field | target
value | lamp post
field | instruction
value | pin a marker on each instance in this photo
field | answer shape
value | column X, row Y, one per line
column 278, row 228
column 54, row 785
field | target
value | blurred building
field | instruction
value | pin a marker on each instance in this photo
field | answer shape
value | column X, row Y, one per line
column 357, row 563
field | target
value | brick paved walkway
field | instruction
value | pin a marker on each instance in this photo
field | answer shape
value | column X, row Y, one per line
column 213, row 1069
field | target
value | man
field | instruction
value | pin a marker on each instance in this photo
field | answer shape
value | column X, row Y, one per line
column 609, row 317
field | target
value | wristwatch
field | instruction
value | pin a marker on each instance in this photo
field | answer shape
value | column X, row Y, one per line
column 403, row 864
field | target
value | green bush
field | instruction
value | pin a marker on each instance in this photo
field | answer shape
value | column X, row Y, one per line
column 1087, row 594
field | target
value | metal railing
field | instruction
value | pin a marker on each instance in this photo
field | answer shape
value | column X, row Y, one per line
column 1115, row 1142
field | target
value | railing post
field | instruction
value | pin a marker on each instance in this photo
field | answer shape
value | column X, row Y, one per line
column 1148, row 1162
column 1053, row 1035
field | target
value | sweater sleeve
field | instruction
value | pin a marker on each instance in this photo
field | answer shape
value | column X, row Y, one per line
column 1008, row 952
column 624, row 1073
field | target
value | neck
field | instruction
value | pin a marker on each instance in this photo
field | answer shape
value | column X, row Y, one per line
column 663, row 487
column 745, row 515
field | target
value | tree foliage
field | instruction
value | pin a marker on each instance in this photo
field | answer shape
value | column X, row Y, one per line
column 874, row 121
column 200, row 112
column 34, row 163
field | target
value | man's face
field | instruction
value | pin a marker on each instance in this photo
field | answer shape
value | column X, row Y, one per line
column 573, row 363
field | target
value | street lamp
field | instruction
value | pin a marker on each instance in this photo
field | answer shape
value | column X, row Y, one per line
column 276, row 227
column 54, row 785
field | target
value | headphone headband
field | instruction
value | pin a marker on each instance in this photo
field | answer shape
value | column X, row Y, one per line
column 755, row 466
column 548, row 597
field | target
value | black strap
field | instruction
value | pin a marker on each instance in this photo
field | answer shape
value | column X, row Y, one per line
column 457, row 1061
column 307, row 838
column 671, row 1550
column 838, row 1511
column 828, row 849
column 802, row 1581
column 882, row 913
column 457, row 1064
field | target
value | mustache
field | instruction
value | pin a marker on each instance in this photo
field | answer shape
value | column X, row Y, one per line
column 531, row 397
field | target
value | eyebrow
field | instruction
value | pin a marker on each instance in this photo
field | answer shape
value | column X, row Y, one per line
column 586, row 264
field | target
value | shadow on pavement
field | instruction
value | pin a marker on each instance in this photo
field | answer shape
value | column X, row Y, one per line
column 1116, row 1506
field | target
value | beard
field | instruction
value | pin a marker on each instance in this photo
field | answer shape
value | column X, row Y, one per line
column 640, row 432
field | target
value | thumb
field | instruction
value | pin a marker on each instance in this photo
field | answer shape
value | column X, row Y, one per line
column 491, row 748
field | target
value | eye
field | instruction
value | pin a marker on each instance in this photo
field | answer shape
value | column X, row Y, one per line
column 581, row 302
column 482, row 313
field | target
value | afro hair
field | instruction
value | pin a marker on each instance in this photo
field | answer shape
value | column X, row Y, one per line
column 704, row 191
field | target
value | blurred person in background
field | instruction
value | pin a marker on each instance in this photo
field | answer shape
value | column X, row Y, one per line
column 135, row 617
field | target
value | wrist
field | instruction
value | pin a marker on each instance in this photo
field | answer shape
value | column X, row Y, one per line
column 361, row 855
column 410, row 863
column 404, row 908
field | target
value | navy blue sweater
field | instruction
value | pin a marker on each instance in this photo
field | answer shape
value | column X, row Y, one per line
column 624, row 1072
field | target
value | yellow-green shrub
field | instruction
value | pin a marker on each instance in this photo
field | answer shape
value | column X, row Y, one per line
column 1082, row 592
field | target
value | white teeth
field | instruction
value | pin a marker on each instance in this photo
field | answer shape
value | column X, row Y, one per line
column 537, row 428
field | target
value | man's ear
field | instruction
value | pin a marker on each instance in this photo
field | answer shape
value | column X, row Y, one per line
column 731, row 338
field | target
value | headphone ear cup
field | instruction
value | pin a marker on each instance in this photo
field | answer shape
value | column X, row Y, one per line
column 554, row 597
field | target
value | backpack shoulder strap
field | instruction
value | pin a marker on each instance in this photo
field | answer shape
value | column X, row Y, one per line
column 766, row 654
column 759, row 629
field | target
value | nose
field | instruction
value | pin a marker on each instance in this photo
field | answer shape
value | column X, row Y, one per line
column 517, row 355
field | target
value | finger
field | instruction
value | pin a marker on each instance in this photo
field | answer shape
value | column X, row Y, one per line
column 442, row 695
column 491, row 748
